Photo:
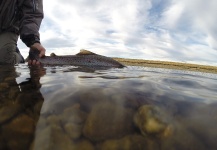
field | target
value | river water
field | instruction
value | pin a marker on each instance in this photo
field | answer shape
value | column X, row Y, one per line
column 134, row 108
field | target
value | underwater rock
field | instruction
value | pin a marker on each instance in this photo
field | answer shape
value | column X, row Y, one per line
column 153, row 120
column 88, row 98
column 52, row 137
column 107, row 120
column 83, row 145
column 72, row 120
column 182, row 139
column 122, row 98
column 129, row 142
column 73, row 114
column 201, row 121
column 19, row 132
column 73, row 130
column 42, row 123
column 53, row 119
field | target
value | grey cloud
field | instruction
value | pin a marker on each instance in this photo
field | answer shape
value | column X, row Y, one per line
column 58, row 43
column 138, row 29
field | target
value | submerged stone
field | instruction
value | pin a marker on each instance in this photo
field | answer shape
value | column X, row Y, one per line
column 184, row 140
column 83, row 145
column 129, row 142
column 151, row 120
column 53, row 119
column 107, row 120
column 52, row 138
column 73, row 114
column 88, row 98
column 73, row 130
column 42, row 123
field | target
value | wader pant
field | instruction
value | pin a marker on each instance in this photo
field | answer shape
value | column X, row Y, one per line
column 9, row 53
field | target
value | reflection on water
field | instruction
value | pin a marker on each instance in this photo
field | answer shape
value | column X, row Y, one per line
column 117, row 109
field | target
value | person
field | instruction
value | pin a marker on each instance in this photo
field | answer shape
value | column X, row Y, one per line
column 20, row 18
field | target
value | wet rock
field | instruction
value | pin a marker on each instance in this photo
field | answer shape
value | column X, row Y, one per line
column 52, row 138
column 129, row 142
column 107, row 120
column 73, row 130
column 151, row 120
column 19, row 132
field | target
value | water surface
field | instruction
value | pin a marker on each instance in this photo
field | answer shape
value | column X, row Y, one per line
column 139, row 108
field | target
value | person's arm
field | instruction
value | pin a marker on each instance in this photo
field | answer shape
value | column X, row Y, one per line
column 32, row 15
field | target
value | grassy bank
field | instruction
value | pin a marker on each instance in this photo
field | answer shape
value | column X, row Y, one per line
column 169, row 65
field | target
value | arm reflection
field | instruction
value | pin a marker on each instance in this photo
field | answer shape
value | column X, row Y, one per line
column 20, row 106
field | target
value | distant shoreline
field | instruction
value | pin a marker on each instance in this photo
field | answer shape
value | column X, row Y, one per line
column 168, row 65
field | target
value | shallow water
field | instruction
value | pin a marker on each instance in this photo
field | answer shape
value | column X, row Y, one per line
column 137, row 108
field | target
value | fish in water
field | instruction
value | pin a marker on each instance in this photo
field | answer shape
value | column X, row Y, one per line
column 84, row 58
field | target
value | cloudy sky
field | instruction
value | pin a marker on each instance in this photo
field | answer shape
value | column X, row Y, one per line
column 171, row 30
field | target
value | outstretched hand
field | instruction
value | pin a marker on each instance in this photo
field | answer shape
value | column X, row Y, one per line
column 41, row 49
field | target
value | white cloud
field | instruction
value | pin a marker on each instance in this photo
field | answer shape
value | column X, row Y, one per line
column 147, row 29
